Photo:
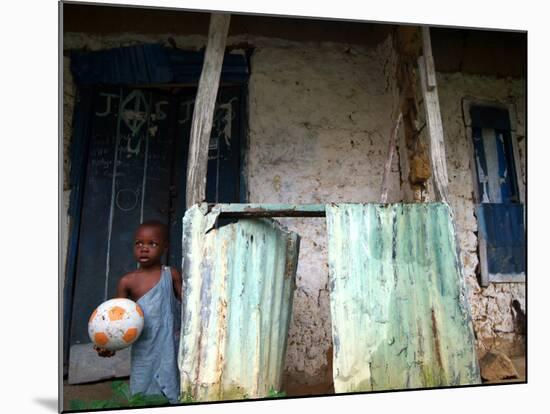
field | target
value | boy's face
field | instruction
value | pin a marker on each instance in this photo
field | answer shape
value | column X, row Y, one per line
column 149, row 245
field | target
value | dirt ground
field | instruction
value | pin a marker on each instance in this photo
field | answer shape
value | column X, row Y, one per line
column 102, row 390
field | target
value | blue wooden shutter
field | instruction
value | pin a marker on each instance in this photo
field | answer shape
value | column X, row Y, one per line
column 499, row 212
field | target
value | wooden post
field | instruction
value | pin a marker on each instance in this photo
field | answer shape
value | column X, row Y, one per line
column 387, row 166
column 433, row 119
column 203, row 114
column 428, row 58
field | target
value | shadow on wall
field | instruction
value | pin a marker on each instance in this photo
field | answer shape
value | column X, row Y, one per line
column 520, row 322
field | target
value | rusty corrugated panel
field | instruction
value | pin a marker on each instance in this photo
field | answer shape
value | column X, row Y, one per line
column 238, row 288
column 400, row 318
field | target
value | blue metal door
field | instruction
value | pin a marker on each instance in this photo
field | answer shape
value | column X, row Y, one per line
column 127, row 180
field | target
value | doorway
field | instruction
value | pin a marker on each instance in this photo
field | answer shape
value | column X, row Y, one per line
column 135, row 170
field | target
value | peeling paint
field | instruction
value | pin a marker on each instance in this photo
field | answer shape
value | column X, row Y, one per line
column 239, row 281
column 399, row 313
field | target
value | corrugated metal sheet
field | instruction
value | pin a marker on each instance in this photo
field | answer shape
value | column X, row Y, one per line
column 399, row 314
column 238, row 289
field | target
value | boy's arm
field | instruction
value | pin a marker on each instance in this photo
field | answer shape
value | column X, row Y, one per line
column 176, row 282
column 123, row 288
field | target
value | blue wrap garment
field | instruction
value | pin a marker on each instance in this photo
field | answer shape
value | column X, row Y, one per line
column 154, row 356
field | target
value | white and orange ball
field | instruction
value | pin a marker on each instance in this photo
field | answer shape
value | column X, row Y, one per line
column 115, row 324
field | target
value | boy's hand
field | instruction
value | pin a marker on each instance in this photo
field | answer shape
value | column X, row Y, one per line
column 102, row 352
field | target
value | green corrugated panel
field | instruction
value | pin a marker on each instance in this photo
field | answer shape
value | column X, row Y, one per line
column 238, row 288
column 400, row 318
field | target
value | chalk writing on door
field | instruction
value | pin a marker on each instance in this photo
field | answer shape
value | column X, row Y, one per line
column 135, row 110
column 224, row 114
column 107, row 110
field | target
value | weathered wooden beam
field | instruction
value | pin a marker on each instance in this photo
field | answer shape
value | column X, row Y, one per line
column 435, row 126
column 203, row 114
column 428, row 58
column 234, row 210
column 389, row 158
column 409, row 42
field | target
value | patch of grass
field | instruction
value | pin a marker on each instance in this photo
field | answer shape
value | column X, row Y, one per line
column 121, row 398
column 186, row 398
column 272, row 393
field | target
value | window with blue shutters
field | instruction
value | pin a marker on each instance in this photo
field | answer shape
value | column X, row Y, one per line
column 499, row 210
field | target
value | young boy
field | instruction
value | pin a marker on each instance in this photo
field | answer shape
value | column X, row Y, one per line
column 157, row 290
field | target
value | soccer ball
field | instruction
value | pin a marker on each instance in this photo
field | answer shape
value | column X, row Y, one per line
column 115, row 324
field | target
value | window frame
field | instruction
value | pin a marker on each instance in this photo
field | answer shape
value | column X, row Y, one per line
column 467, row 104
